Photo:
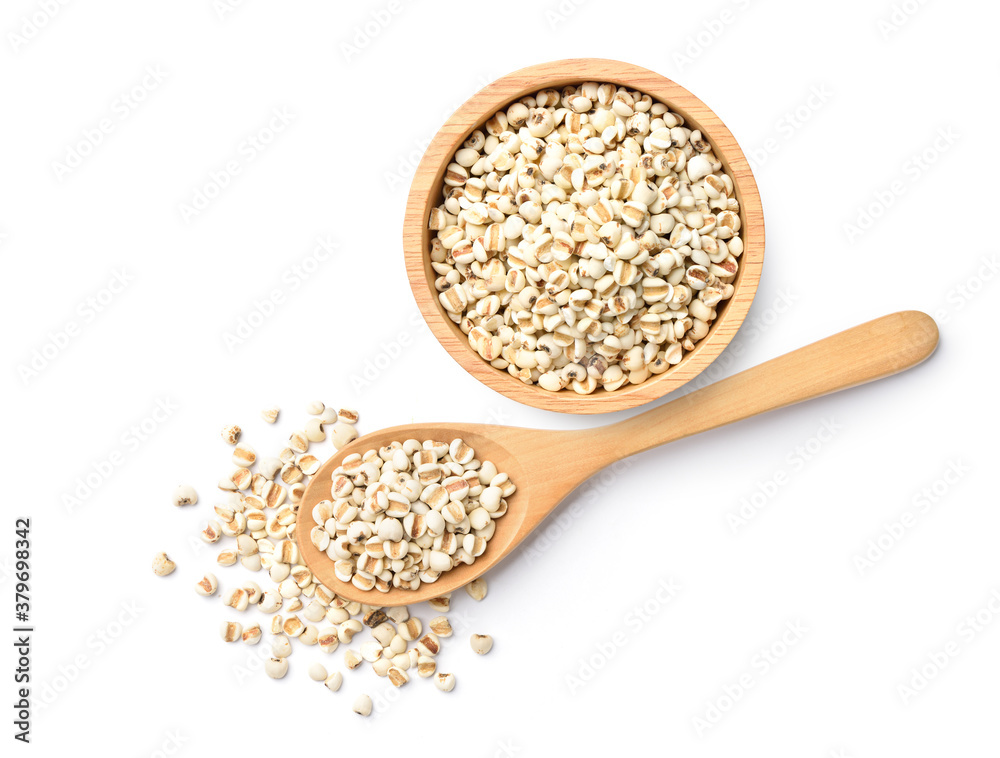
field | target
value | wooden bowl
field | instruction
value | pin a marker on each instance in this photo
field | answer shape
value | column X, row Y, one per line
column 425, row 193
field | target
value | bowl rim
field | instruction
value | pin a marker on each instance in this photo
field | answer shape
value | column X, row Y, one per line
column 426, row 186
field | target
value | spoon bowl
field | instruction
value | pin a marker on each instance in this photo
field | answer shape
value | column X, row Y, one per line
column 546, row 466
column 502, row 445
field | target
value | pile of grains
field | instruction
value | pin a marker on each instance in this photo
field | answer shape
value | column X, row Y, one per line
column 586, row 238
column 408, row 512
column 258, row 512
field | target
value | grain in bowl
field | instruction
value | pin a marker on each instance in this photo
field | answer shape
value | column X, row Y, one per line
column 585, row 238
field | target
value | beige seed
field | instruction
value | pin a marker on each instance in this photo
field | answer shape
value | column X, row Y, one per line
column 441, row 626
column 310, row 635
column 317, row 672
column 231, row 631
column 308, row 464
column 327, row 639
column 276, row 668
column 185, row 495
column 476, row 589
column 290, row 473
column 401, row 660
column 410, row 629
column 428, row 644
column 212, row 532
column 397, row 676
column 342, row 434
column 442, row 603
column 274, row 495
column 281, row 646
column 363, row 705
column 207, row 585
column 445, row 682
column 314, row 430
column 352, row 659
column 347, row 630
column 226, row 558
column 246, row 545
column 244, row 455
column 162, row 565
column 269, row 467
column 334, row 681
column 231, row 434
column 270, row 601
column 482, row 643
column 371, row 651
column 426, row 666
column 298, row 442
column 270, row 415
column 252, row 634
column 241, row 478
column 236, row 598
column 253, row 591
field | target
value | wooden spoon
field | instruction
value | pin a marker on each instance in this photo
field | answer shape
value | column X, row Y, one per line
column 547, row 466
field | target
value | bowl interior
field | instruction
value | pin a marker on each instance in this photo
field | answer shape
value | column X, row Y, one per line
column 425, row 194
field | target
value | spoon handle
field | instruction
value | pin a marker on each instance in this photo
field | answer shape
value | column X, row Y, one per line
column 870, row 351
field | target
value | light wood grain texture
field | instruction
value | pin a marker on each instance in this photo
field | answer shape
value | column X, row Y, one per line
column 547, row 466
column 425, row 193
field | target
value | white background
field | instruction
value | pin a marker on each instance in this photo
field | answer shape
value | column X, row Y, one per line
column 891, row 78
